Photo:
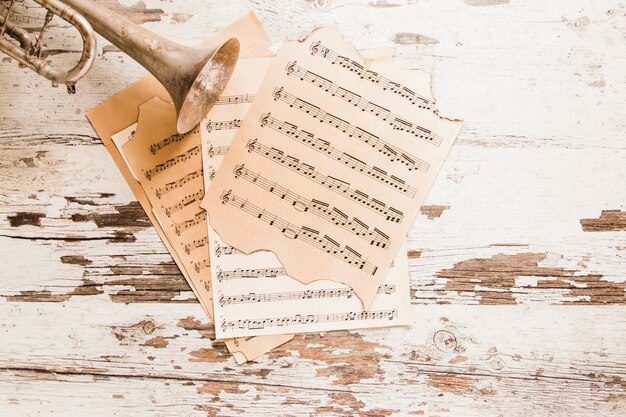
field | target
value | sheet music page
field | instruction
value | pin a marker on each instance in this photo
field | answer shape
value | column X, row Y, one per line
column 253, row 295
column 330, row 165
column 243, row 349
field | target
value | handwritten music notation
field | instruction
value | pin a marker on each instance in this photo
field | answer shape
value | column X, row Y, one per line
column 335, row 184
column 196, row 244
column 394, row 153
column 305, row 234
column 298, row 295
column 216, row 150
column 223, row 125
column 395, row 121
column 159, row 168
column 300, row 319
column 318, row 49
column 176, row 138
column 198, row 218
column 317, row 207
column 235, row 99
column 185, row 202
column 325, row 148
column 173, row 185
column 240, row 273
column 225, row 250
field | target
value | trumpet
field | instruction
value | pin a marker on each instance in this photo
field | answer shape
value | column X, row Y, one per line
column 193, row 77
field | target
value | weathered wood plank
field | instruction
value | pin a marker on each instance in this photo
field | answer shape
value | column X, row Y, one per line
column 566, row 361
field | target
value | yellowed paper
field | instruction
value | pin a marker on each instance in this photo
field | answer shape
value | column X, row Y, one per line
column 331, row 164
column 253, row 295
column 121, row 111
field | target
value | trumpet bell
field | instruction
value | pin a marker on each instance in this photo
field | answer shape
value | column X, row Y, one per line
column 196, row 86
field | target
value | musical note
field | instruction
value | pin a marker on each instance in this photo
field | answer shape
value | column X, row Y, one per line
column 298, row 295
column 172, row 162
column 303, row 319
column 155, row 147
column 223, row 125
column 335, row 184
column 317, row 207
column 216, row 150
column 196, row 244
column 324, row 147
column 225, row 250
column 188, row 224
column 170, row 186
column 235, row 99
column 303, row 233
column 387, row 149
column 240, row 273
column 184, row 202
column 366, row 106
column 371, row 76
column 199, row 266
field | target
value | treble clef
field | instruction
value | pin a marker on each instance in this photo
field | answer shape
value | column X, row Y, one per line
column 290, row 67
column 239, row 170
column 220, row 276
column 251, row 145
column 209, row 126
column 315, row 47
column 224, row 325
column 226, row 196
column 218, row 250
column 264, row 119
column 222, row 300
column 211, row 152
column 277, row 93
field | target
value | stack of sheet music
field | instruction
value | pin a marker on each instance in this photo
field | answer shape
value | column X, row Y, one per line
column 287, row 208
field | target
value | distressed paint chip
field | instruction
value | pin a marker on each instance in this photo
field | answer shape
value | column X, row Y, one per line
column 76, row 260
column 24, row 218
column 129, row 215
column 217, row 353
column 406, row 38
column 87, row 287
column 433, row 211
column 495, row 280
column 159, row 342
column 206, row 330
column 451, row 383
column 162, row 289
column 609, row 221
column 347, row 356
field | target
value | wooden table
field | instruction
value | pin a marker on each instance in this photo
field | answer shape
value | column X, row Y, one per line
column 517, row 261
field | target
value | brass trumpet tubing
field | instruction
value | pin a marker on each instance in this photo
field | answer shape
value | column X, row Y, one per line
column 26, row 57
column 17, row 33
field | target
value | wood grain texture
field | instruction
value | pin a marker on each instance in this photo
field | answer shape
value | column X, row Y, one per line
column 517, row 259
